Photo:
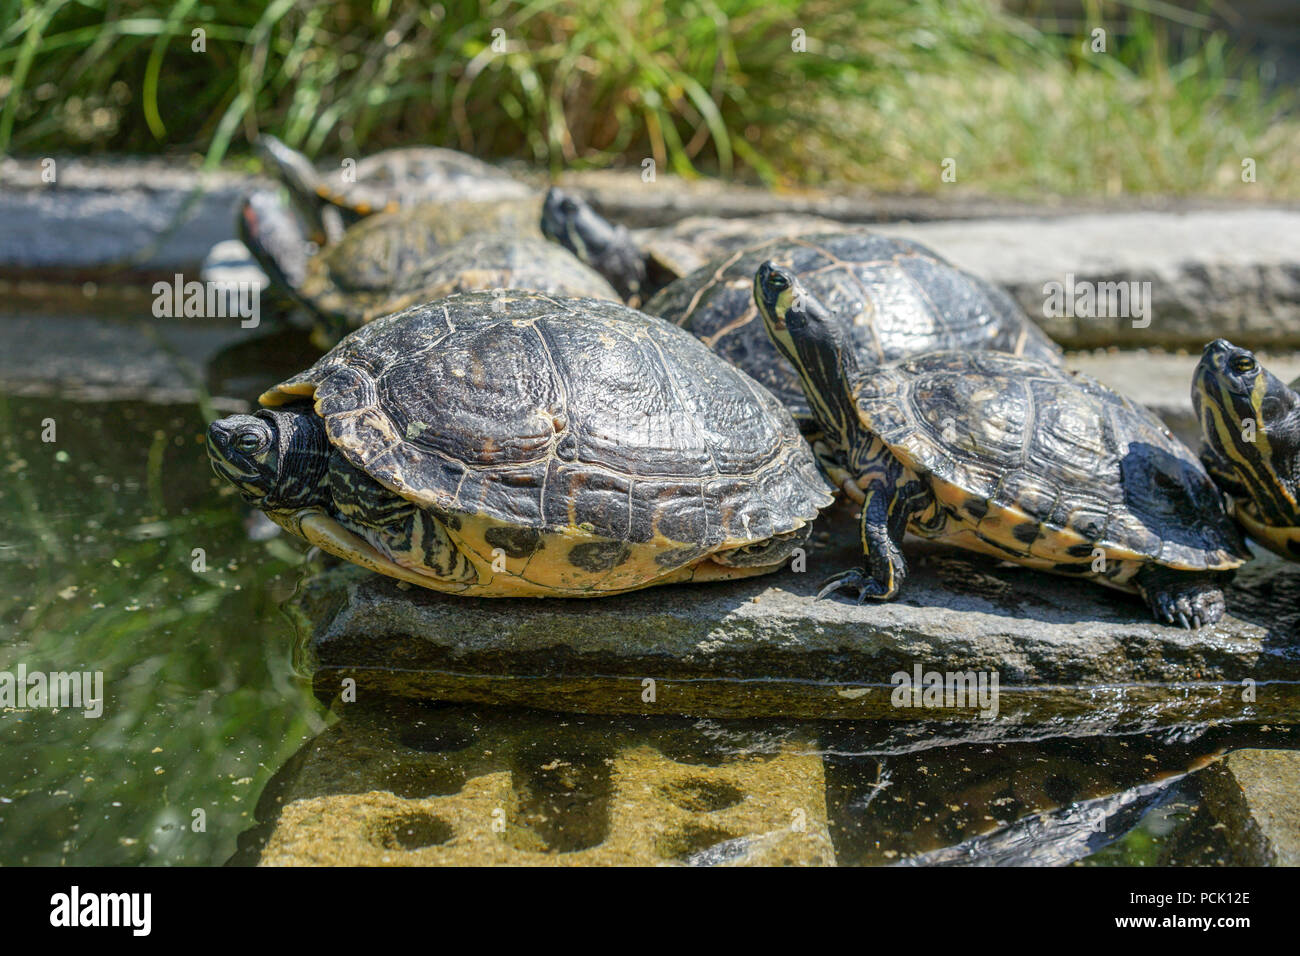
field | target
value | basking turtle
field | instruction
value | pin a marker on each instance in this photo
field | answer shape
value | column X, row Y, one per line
column 901, row 298
column 1250, row 423
column 387, row 181
column 638, row 264
column 528, row 445
column 395, row 260
column 1010, row 457
column 230, row 263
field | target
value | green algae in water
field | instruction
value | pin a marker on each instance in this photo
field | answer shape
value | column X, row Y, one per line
column 103, row 536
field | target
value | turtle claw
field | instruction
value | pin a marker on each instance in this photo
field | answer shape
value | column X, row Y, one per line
column 867, row 586
column 1191, row 608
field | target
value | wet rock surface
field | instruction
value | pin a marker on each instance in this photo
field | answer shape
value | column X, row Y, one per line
column 1065, row 653
column 448, row 787
column 397, row 783
column 1255, row 794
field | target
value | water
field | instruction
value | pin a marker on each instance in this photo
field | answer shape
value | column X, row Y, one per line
column 120, row 552
column 98, row 532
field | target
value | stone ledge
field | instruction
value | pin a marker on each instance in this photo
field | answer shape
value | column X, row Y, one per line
column 1212, row 273
column 1256, row 795
column 1215, row 268
column 1064, row 651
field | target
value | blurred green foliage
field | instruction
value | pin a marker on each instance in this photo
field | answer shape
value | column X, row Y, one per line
column 881, row 93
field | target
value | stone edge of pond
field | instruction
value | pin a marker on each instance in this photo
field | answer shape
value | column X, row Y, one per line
column 1215, row 268
column 766, row 648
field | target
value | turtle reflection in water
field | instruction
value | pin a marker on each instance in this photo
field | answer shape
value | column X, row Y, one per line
column 521, row 444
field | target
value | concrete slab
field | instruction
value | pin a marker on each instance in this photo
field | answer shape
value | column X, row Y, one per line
column 1214, row 269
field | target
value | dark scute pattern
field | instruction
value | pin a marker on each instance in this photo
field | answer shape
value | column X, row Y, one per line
column 903, row 299
column 515, row 542
column 531, row 263
column 1170, row 492
column 1026, row 533
column 597, row 556
column 677, row 557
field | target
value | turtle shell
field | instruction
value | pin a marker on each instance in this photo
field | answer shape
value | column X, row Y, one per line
column 383, row 251
column 473, row 264
column 901, row 298
column 1048, row 463
column 399, row 178
column 584, row 437
column 391, row 179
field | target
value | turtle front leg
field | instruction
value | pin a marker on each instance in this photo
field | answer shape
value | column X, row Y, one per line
column 891, row 495
column 1184, row 598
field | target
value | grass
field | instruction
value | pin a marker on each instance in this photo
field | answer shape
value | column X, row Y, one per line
column 882, row 94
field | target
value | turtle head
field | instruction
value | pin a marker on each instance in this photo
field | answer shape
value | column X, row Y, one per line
column 274, row 237
column 278, row 459
column 306, row 188
column 817, row 342
column 288, row 165
column 606, row 247
column 1250, row 422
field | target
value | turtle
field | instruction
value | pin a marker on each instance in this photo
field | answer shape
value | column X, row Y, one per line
column 384, row 182
column 230, row 263
column 524, row 444
column 395, row 260
column 638, row 264
column 1007, row 456
column 1250, row 427
column 901, row 298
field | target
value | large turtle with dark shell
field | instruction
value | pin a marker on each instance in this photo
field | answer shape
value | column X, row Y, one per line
column 384, row 182
column 522, row 444
column 396, row 260
column 1006, row 456
column 1250, row 427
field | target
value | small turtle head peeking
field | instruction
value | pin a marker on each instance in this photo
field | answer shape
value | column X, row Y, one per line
column 606, row 247
column 277, row 459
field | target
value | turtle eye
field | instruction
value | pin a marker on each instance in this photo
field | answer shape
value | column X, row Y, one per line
column 248, row 442
column 1241, row 364
column 568, row 207
column 778, row 282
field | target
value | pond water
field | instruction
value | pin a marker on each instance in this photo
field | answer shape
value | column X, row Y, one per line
column 121, row 553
